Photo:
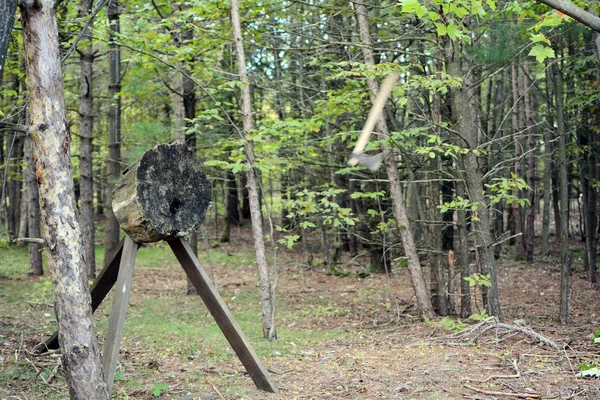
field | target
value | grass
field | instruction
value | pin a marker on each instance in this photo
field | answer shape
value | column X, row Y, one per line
column 160, row 329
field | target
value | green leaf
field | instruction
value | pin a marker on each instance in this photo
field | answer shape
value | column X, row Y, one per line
column 539, row 38
column 413, row 6
column 441, row 29
column 452, row 31
column 541, row 52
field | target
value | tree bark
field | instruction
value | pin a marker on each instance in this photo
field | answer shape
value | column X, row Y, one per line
column 531, row 169
column 111, row 230
column 8, row 9
column 50, row 138
column 266, row 296
column 86, row 137
column 391, row 169
column 33, row 213
column 463, row 255
column 563, row 234
column 547, row 169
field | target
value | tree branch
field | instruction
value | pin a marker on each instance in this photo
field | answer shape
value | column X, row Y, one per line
column 588, row 19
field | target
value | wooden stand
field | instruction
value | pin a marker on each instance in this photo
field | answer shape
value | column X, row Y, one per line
column 119, row 272
column 163, row 196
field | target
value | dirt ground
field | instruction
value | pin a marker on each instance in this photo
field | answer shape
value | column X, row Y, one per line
column 383, row 350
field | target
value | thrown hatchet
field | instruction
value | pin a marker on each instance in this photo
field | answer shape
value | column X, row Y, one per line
column 357, row 156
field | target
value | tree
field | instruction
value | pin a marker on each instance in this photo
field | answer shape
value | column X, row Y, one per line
column 62, row 236
column 266, row 295
column 7, row 19
column 391, row 169
column 111, row 230
column 86, row 138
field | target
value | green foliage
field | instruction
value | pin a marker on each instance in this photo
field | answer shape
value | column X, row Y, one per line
column 159, row 389
column 479, row 280
column 504, row 189
column 310, row 204
column 596, row 338
column 481, row 316
column 447, row 324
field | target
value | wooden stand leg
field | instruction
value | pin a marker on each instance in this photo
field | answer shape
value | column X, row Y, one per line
column 119, row 308
column 222, row 315
column 102, row 285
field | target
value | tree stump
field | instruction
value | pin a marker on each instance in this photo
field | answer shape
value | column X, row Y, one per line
column 164, row 195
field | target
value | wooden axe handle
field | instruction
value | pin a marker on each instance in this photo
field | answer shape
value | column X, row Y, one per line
column 382, row 96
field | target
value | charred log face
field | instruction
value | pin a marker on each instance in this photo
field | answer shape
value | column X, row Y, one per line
column 165, row 194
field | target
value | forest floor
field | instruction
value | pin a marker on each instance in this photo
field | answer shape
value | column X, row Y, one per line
column 339, row 337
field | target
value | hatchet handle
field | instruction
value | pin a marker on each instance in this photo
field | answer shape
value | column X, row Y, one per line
column 382, row 96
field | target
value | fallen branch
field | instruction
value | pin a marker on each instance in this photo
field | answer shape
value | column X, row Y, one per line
column 494, row 393
column 504, row 394
column 524, row 330
column 471, row 334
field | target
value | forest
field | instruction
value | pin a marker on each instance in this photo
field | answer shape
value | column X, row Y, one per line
column 403, row 195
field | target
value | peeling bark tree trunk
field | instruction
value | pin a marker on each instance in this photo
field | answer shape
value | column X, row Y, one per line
column 50, row 138
column 111, row 232
column 86, row 137
column 399, row 208
column 266, row 296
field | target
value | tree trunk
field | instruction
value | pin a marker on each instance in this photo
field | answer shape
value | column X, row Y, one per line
column 33, row 213
column 391, row 168
column 22, row 232
column 547, row 168
column 463, row 255
column 7, row 19
column 531, row 169
column 111, row 230
column 232, row 216
column 465, row 116
column 50, row 139
column 563, row 234
column 86, row 137
column 266, row 296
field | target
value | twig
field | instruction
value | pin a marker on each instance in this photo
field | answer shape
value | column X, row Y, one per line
column 513, row 363
column 214, row 388
column 504, row 394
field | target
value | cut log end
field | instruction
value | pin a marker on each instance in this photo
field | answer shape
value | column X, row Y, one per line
column 164, row 195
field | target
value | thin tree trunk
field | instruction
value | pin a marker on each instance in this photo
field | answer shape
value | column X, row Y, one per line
column 33, row 213
column 531, row 169
column 111, row 231
column 23, row 220
column 463, row 255
column 266, row 296
column 563, row 183
column 8, row 9
column 547, row 169
column 391, row 168
column 50, row 138
column 86, row 137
